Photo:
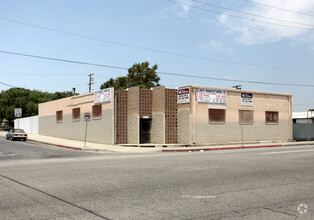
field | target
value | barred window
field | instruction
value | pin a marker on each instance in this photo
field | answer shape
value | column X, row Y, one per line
column 76, row 113
column 97, row 111
column 246, row 117
column 59, row 116
column 271, row 117
column 216, row 115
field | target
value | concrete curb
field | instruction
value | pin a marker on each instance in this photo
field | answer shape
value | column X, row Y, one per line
column 69, row 147
column 220, row 148
column 179, row 149
column 56, row 145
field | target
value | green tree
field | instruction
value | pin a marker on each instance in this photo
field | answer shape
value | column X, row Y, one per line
column 61, row 95
column 118, row 83
column 140, row 74
column 27, row 100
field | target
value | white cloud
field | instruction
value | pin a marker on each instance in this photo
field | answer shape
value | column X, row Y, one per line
column 217, row 46
column 248, row 32
column 180, row 10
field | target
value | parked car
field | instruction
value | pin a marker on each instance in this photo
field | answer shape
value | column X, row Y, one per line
column 16, row 134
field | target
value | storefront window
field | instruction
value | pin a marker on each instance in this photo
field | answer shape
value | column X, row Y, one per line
column 76, row 113
column 59, row 116
column 96, row 111
column 246, row 117
column 216, row 115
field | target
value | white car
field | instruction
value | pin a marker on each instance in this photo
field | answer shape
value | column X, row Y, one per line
column 16, row 134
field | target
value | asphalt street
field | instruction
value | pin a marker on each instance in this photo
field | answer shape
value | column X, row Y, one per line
column 17, row 150
column 263, row 183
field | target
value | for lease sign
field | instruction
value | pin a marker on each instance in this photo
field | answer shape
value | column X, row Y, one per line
column 102, row 96
column 183, row 95
column 246, row 99
column 212, row 96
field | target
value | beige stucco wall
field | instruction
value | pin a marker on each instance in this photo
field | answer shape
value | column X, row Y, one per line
column 133, row 115
column 203, row 132
column 158, row 112
column 99, row 130
column 184, row 124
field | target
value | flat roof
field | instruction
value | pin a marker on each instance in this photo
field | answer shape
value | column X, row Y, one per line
column 236, row 90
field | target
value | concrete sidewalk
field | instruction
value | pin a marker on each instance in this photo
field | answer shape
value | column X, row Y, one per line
column 79, row 145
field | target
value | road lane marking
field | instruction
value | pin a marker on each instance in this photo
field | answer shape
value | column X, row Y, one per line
column 199, row 197
column 6, row 155
column 287, row 152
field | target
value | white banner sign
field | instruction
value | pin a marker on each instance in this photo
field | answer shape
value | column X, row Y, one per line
column 246, row 99
column 102, row 96
column 183, row 95
column 212, row 96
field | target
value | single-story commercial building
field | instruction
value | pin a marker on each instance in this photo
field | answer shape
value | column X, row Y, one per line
column 188, row 115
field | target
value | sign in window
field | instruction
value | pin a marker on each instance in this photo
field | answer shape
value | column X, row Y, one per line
column 272, row 117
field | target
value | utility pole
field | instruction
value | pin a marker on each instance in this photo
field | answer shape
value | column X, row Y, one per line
column 91, row 81
column 237, row 87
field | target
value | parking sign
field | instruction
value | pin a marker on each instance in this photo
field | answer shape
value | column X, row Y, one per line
column 18, row 112
column 87, row 116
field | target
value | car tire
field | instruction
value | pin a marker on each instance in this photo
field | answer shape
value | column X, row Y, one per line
column 24, row 139
column 11, row 138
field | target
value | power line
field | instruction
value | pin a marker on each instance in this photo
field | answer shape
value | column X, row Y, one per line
column 7, row 85
column 304, row 104
column 61, row 60
column 282, row 9
column 235, row 80
column 239, row 17
column 157, row 50
column 165, row 73
column 246, row 13
column 42, row 75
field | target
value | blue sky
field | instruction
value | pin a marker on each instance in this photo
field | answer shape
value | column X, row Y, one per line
column 218, row 44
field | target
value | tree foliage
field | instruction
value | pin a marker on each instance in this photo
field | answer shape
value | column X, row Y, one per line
column 26, row 99
column 140, row 74
column 118, row 83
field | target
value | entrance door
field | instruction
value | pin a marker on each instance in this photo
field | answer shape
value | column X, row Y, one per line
column 145, row 126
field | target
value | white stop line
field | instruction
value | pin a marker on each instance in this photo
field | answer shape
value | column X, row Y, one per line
column 6, row 155
column 199, row 197
column 287, row 152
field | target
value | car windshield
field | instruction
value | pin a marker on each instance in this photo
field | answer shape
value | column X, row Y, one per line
column 19, row 130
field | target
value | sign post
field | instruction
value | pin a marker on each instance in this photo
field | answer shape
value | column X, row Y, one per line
column 87, row 117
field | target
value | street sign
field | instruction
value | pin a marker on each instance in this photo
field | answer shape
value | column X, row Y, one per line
column 18, row 112
column 87, row 116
